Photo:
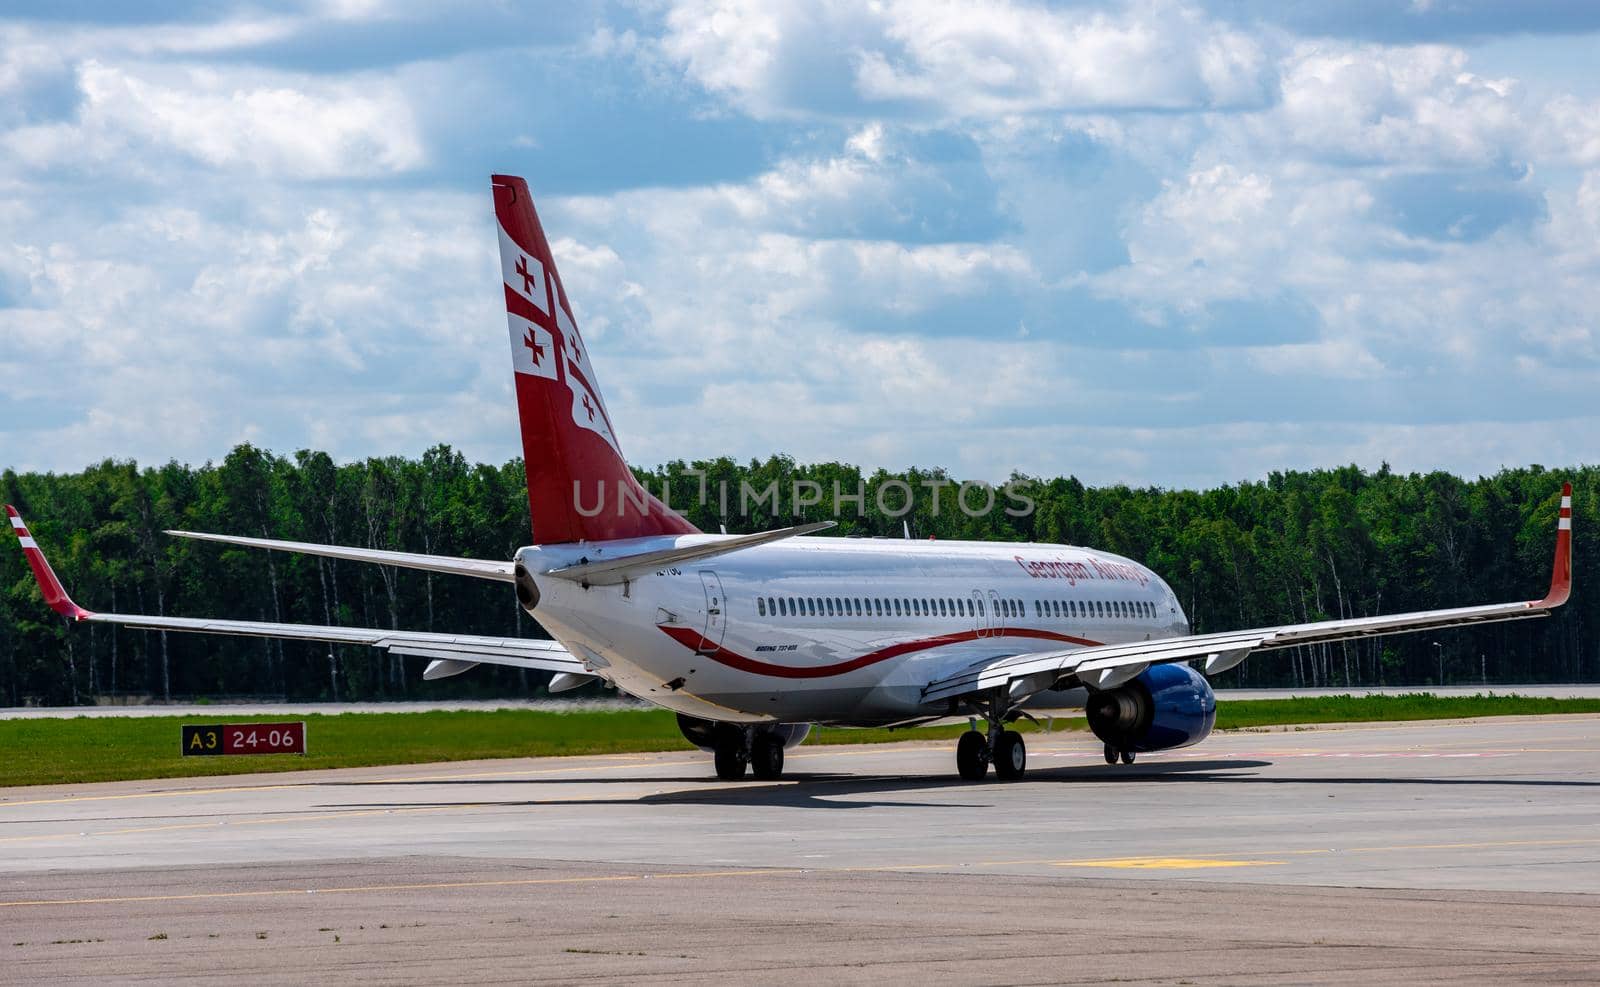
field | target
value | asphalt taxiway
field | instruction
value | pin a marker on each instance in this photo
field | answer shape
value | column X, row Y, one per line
column 1420, row 851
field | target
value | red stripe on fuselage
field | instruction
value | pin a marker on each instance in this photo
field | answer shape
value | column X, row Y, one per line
column 692, row 640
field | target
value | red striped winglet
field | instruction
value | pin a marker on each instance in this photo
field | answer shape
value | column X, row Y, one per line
column 49, row 585
column 1561, row 573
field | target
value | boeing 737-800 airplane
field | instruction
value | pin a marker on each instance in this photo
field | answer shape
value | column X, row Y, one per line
column 751, row 638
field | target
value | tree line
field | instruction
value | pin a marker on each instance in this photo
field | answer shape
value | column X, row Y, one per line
column 1297, row 546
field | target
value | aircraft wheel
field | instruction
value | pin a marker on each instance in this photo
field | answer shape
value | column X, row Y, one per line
column 1011, row 757
column 1111, row 754
column 730, row 754
column 766, row 758
column 972, row 756
column 1127, row 757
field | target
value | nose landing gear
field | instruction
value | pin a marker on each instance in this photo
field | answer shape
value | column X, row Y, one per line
column 1112, row 755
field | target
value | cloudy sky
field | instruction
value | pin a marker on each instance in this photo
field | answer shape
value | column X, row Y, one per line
column 1173, row 243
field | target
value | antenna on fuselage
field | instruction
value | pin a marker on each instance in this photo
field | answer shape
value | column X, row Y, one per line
column 905, row 526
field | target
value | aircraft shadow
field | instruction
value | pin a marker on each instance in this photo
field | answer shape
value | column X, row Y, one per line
column 828, row 790
column 818, row 790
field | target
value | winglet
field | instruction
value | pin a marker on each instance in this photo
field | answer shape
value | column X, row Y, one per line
column 1561, row 573
column 49, row 585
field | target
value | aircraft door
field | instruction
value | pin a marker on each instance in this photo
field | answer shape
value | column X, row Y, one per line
column 997, row 619
column 716, row 616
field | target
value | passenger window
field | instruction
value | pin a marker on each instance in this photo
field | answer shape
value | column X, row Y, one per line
column 811, row 606
column 761, row 606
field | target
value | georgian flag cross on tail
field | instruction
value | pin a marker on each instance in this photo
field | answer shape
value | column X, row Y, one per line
column 544, row 336
column 579, row 486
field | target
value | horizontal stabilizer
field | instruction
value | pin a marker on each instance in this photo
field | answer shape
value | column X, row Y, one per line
column 479, row 568
column 610, row 572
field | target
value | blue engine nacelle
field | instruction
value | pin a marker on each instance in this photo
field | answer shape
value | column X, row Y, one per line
column 1167, row 706
column 703, row 733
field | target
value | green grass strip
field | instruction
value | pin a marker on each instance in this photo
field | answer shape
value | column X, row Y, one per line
column 91, row 749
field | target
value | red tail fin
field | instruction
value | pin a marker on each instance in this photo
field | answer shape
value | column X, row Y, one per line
column 579, row 486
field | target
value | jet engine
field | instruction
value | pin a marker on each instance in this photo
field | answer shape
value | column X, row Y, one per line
column 702, row 733
column 1167, row 706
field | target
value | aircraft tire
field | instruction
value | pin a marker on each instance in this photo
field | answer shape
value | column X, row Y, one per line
column 972, row 756
column 1011, row 757
column 766, row 758
column 730, row 755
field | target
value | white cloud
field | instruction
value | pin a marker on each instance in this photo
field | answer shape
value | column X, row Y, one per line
column 291, row 127
column 1402, row 105
column 963, row 58
column 982, row 59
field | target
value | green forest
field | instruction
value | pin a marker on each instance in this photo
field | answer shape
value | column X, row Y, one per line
column 1297, row 546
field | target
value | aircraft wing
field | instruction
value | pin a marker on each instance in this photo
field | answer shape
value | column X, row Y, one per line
column 1109, row 665
column 452, row 653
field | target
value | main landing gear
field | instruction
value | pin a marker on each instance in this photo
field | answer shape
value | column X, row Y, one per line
column 1003, row 748
column 735, row 749
column 975, row 752
column 1112, row 755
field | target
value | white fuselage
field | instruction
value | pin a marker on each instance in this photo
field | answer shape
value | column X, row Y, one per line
column 838, row 630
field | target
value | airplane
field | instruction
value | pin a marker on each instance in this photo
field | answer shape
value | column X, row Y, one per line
column 753, row 638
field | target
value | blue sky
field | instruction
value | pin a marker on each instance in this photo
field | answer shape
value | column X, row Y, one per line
column 1153, row 242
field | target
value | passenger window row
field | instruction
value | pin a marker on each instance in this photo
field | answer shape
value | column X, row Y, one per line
column 1103, row 609
column 878, row 606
